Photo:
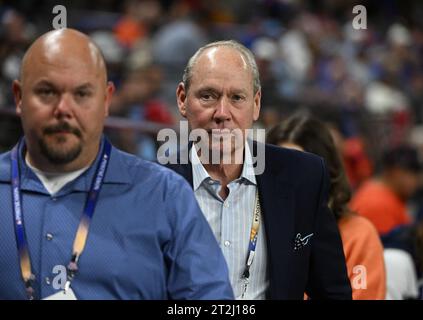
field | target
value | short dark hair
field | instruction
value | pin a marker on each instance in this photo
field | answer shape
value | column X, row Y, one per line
column 402, row 156
column 314, row 136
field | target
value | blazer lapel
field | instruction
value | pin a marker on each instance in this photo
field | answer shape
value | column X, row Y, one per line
column 277, row 203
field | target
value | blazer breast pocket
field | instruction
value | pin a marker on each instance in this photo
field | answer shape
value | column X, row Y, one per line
column 302, row 241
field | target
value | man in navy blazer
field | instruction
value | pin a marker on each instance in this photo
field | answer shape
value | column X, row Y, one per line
column 294, row 245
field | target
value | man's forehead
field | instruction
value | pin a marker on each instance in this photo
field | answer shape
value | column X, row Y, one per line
column 216, row 65
column 59, row 52
column 61, row 70
column 216, row 56
column 63, row 83
column 221, row 63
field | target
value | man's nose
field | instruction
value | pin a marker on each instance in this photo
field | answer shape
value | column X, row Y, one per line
column 64, row 106
column 222, row 112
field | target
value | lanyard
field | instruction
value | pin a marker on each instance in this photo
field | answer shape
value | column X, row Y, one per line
column 82, row 232
column 252, row 244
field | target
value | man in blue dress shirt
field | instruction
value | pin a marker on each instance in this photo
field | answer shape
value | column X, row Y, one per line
column 86, row 220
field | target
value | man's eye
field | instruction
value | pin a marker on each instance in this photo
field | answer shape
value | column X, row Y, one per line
column 83, row 94
column 45, row 92
column 237, row 97
column 207, row 97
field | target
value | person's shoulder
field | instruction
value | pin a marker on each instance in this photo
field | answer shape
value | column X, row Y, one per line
column 144, row 171
column 357, row 222
column 288, row 155
column 358, row 226
column 295, row 161
column 5, row 157
column 5, row 166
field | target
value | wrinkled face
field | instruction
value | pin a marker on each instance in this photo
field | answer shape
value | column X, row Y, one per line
column 63, row 100
column 221, row 94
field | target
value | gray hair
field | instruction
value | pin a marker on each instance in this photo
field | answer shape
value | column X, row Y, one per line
column 244, row 51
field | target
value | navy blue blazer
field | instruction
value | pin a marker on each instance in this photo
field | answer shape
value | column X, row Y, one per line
column 293, row 195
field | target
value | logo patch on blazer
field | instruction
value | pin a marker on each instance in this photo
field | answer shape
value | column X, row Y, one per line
column 301, row 241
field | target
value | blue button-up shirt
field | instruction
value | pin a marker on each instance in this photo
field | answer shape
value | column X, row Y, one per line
column 147, row 240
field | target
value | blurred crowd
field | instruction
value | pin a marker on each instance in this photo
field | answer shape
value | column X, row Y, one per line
column 367, row 84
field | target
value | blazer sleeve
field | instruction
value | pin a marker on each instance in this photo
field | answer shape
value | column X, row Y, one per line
column 328, row 278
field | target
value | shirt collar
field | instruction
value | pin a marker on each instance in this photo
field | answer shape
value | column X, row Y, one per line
column 117, row 173
column 200, row 174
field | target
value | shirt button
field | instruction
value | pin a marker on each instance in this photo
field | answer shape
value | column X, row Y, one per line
column 47, row 279
column 54, row 198
column 49, row 236
column 226, row 204
column 227, row 243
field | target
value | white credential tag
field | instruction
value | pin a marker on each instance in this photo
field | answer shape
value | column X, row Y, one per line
column 62, row 295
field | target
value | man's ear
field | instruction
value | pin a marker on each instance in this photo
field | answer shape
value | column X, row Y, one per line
column 110, row 89
column 257, row 105
column 181, row 98
column 17, row 94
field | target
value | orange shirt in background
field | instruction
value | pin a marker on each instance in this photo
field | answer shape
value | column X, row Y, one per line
column 380, row 205
column 364, row 258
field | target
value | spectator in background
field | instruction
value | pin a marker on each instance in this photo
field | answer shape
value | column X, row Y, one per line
column 357, row 165
column 404, row 261
column 362, row 246
column 138, row 19
column 138, row 100
column 383, row 199
column 176, row 41
column 401, row 278
column 15, row 34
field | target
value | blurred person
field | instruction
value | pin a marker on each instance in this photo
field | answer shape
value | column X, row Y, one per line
column 401, row 275
column 175, row 42
column 383, row 199
column 265, row 51
column 15, row 35
column 361, row 243
column 138, row 19
column 140, row 234
column 293, row 245
column 404, row 261
column 356, row 162
column 138, row 99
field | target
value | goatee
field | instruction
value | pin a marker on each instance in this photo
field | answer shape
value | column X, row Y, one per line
column 56, row 152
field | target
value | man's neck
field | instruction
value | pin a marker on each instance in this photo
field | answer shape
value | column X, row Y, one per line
column 225, row 173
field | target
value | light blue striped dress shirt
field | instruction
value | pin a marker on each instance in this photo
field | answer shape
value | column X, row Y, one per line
column 231, row 222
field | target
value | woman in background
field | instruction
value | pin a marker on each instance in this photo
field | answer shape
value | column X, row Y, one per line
column 362, row 246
